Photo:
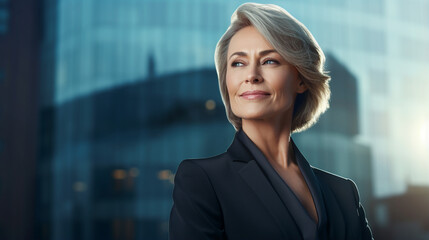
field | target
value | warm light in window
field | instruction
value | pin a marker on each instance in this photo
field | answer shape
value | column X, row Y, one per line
column 164, row 174
column 134, row 172
column 119, row 174
column 210, row 104
column 172, row 178
column 79, row 186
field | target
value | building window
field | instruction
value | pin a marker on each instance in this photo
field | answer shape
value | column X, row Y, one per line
column 4, row 16
column 382, row 214
column 380, row 124
column 115, row 183
column 123, row 229
column 117, row 229
column 379, row 81
column 414, row 11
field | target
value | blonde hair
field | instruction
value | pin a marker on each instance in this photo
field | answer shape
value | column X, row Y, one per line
column 292, row 40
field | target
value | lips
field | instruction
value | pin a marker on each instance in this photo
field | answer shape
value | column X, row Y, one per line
column 256, row 94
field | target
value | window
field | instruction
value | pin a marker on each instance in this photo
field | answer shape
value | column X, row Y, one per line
column 4, row 16
column 115, row 183
column 414, row 11
column 380, row 123
column 416, row 49
column 379, row 81
column 382, row 214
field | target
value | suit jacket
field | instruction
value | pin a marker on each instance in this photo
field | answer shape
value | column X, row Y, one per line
column 237, row 195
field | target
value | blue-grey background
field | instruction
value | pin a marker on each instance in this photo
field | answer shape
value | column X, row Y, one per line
column 100, row 100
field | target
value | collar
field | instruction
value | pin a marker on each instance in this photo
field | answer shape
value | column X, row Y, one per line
column 244, row 150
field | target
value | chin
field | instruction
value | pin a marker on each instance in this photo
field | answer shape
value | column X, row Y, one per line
column 252, row 115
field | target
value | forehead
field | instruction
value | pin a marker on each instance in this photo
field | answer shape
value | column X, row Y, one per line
column 248, row 39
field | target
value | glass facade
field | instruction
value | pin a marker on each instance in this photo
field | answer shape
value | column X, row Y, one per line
column 129, row 89
column 113, row 165
column 101, row 44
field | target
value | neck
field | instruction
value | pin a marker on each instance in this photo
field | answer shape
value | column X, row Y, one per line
column 272, row 137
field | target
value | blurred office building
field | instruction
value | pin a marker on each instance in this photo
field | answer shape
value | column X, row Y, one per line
column 111, row 175
column 403, row 216
column 121, row 91
column 120, row 109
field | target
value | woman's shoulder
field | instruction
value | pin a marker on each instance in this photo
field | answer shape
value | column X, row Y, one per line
column 338, row 184
column 201, row 174
column 329, row 177
column 206, row 163
column 347, row 196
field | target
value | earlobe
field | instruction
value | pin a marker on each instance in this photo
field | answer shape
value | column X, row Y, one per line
column 301, row 87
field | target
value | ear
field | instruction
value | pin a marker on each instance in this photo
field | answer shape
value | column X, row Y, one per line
column 302, row 87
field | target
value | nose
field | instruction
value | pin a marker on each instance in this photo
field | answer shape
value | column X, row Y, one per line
column 254, row 75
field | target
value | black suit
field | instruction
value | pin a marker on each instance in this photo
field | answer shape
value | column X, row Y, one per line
column 238, row 196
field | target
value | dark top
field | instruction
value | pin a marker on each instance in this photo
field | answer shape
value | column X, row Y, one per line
column 306, row 224
column 238, row 195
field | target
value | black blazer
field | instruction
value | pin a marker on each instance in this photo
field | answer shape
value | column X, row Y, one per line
column 234, row 196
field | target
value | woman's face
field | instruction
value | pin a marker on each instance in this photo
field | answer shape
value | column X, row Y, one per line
column 260, row 83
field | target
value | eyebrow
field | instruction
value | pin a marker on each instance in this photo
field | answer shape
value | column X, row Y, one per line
column 261, row 53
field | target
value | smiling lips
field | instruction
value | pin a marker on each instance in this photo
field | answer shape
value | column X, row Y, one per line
column 256, row 94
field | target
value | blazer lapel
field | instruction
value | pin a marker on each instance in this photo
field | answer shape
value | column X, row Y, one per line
column 249, row 170
column 335, row 221
column 313, row 185
column 326, row 203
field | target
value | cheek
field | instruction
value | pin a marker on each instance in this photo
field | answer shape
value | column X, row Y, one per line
column 232, row 88
column 286, row 88
column 230, row 85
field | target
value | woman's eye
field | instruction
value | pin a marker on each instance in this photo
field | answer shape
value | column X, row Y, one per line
column 270, row 61
column 237, row 64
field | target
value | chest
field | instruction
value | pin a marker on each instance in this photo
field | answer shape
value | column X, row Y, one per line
column 296, row 182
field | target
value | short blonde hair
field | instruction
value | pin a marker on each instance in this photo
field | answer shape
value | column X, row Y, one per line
column 295, row 44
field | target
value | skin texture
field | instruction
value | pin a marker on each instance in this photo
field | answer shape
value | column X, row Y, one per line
column 253, row 64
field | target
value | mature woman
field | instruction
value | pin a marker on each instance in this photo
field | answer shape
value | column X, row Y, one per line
column 271, row 78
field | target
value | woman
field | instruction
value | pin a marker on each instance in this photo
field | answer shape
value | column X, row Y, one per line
column 271, row 78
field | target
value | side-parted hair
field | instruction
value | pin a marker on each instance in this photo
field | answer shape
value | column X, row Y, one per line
column 292, row 40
